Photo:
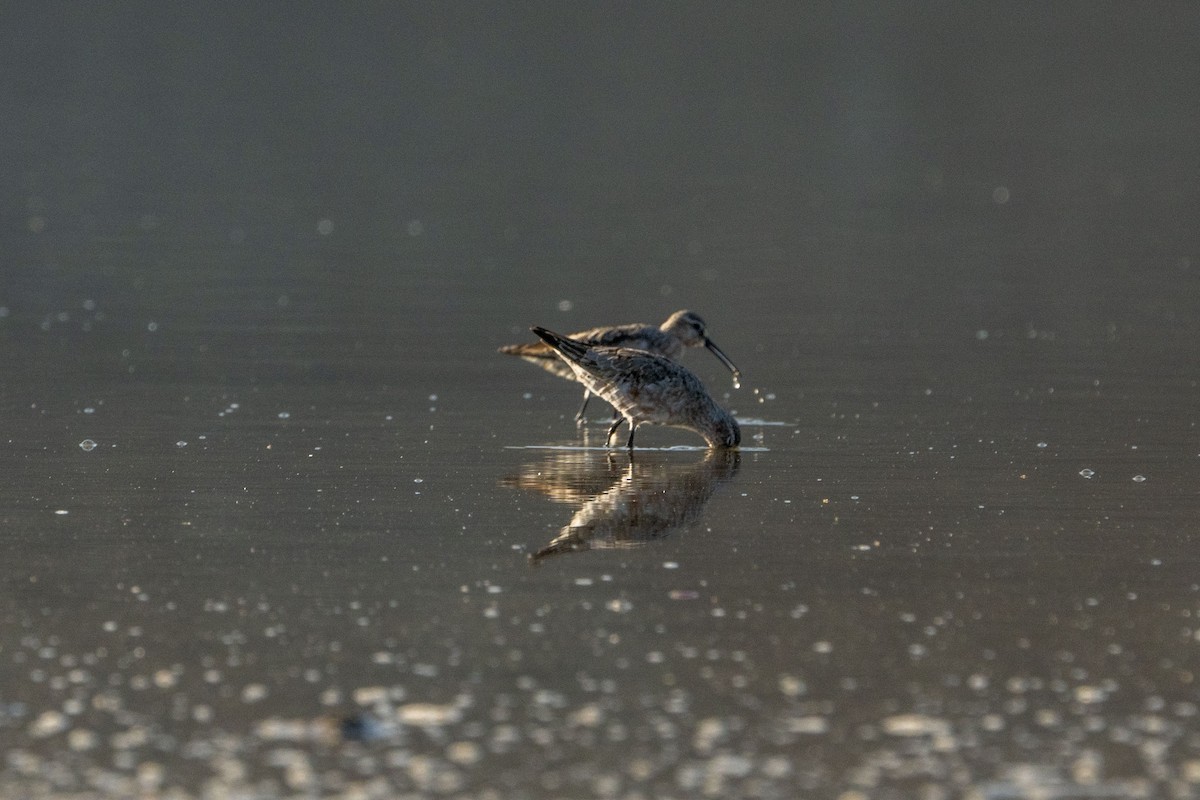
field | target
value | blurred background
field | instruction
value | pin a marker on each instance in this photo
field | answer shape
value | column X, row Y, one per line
column 401, row 167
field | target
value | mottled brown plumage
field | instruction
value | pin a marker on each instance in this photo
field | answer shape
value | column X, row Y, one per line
column 646, row 388
column 682, row 329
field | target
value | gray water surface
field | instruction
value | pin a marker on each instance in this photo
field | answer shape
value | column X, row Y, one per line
column 278, row 521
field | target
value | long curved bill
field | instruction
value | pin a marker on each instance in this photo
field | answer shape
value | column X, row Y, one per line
column 716, row 351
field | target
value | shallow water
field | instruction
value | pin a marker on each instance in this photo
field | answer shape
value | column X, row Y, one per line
column 280, row 522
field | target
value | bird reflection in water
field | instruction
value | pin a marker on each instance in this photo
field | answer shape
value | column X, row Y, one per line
column 624, row 501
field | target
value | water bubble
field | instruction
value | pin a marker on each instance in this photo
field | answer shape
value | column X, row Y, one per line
column 619, row 605
column 81, row 739
column 1139, row 478
column 428, row 715
column 1087, row 473
column 165, row 678
column 253, row 692
column 1042, row 445
column 325, row 227
column 62, row 512
column 464, row 753
column 48, row 724
column 284, row 414
column 1000, row 195
column 565, row 305
column 181, row 443
column 87, row 445
column 791, row 685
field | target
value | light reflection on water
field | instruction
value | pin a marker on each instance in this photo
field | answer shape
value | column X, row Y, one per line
column 270, row 496
column 623, row 506
column 898, row 589
column 909, row 585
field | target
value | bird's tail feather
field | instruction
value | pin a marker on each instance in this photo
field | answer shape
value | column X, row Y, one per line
column 529, row 350
column 570, row 349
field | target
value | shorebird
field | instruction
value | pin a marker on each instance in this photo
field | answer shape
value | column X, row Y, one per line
column 646, row 388
column 682, row 329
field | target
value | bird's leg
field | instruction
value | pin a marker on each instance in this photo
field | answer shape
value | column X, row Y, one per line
column 632, row 428
column 612, row 430
column 580, row 419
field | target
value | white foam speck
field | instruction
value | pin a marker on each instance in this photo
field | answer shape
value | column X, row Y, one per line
column 48, row 724
column 428, row 714
column 253, row 692
column 915, row 725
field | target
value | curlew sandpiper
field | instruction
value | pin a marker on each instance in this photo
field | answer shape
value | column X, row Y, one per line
column 646, row 388
column 682, row 329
